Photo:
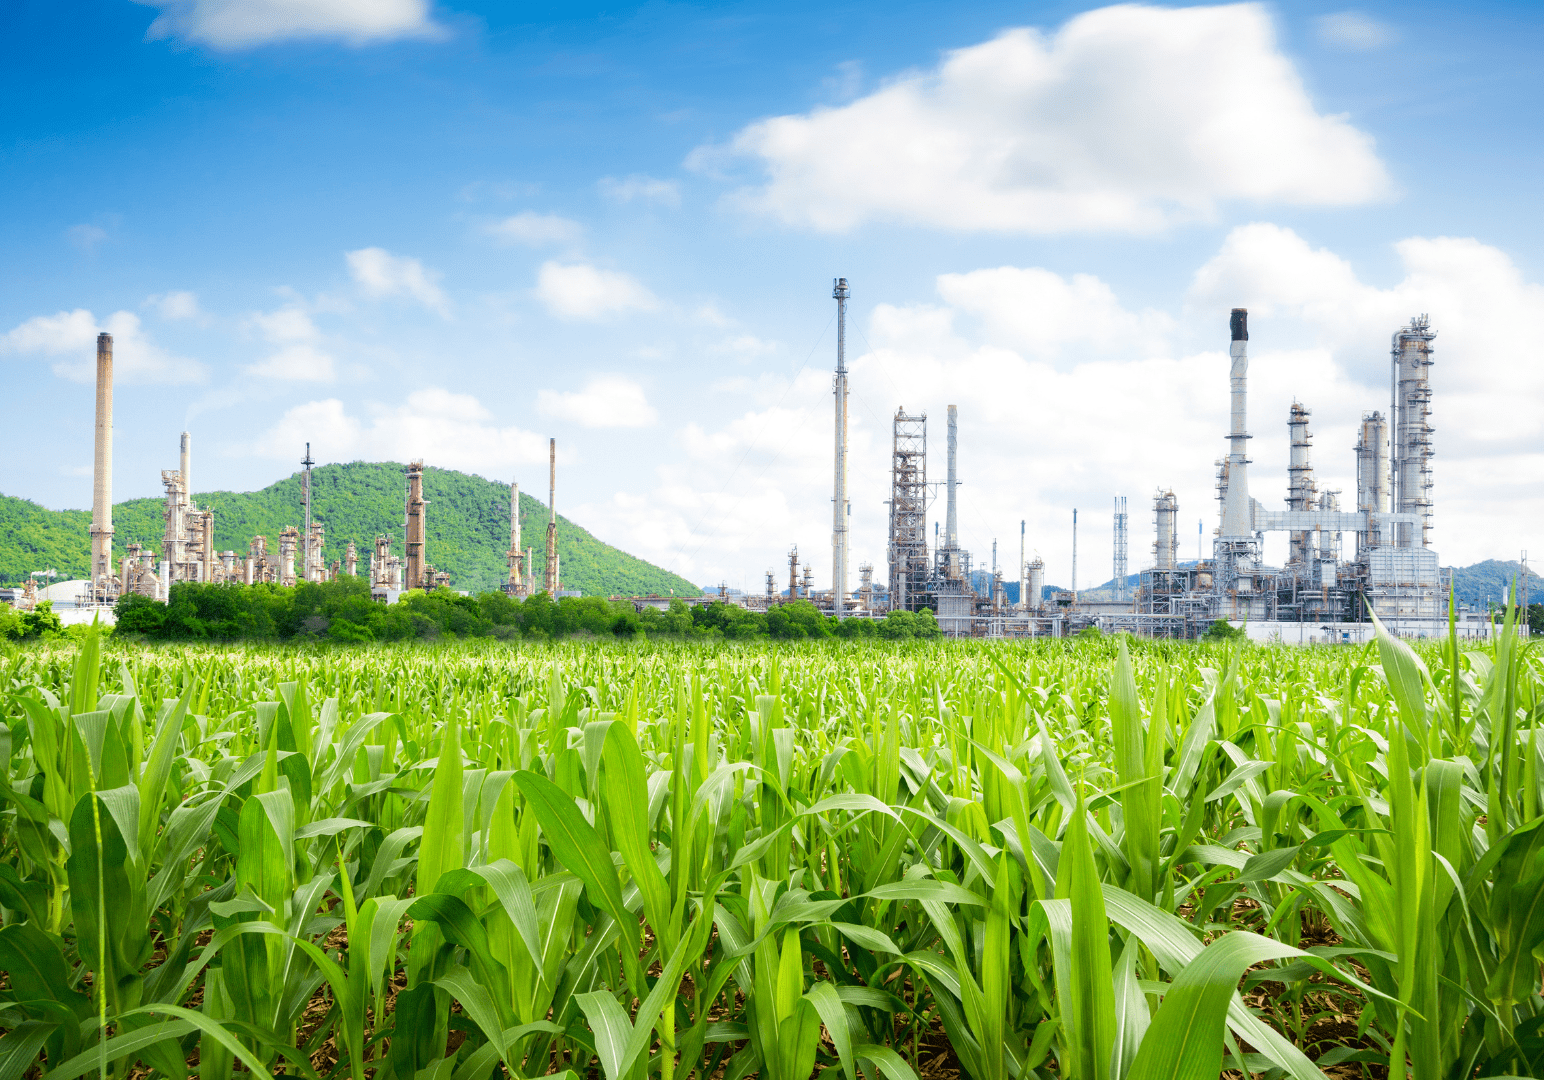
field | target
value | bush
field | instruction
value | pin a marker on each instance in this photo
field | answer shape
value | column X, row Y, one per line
column 1222, row 630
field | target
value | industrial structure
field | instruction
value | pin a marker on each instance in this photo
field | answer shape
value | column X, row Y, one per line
column 1342, row 564
column 187, row 547
column 1386, row 565
column 1391, row 569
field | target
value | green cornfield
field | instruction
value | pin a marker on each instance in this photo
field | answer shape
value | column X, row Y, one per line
column 1106, row 860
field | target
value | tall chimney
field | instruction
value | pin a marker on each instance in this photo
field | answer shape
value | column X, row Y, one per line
column 102, row 472
column 951, row 521
column 839, row 499
column 551, row 574
column 186, row 469
column 1074, row 554
column 1237, row 520
column 415, row 525
column 1023, row 571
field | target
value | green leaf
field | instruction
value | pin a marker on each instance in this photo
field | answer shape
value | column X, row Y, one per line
column 1185, row 1039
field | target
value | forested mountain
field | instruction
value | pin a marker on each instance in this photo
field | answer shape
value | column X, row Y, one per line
column 467, row 529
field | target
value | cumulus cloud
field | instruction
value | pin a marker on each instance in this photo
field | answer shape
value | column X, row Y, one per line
column 243, row 24
column 71, row 336
column 579, row 291
column 1057, row 413
column 1476, row 297
column 381, row 274
column 1128, row 118
column 175, row 306
column 1042, row 313
column 537, row 230
column 299, row 356
column 454, row 431
column 640, row 188
column 607, row 401
column 1354, row 31
column 295, row 363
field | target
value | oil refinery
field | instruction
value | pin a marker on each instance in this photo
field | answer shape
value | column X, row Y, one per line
column 1343, row 563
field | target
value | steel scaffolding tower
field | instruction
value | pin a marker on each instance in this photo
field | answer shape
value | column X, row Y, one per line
column 1120, row 547
column 908, row 512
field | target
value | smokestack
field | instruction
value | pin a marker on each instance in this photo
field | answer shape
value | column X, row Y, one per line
column 187, row 466
column 102, row 471
column 1074, row 555
column 951, row 523
column 1023, row 571
column 839, row 499
column 1237, row 519
column 551, row 572
column 415, row 524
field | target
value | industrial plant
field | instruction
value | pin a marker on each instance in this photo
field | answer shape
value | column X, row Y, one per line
column 1343, row 563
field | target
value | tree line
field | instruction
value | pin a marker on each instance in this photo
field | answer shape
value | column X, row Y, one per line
column 344, row 611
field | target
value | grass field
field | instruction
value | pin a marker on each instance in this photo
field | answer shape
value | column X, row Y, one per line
column 1103, row 860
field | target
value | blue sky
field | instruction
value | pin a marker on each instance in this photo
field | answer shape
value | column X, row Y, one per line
column 397, row 228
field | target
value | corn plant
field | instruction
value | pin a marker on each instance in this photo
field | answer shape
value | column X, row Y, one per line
column 1104, row 860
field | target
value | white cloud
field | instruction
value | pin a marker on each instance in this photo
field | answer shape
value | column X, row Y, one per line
column 537, row 230
column 379, row 273
column 1128, row 118
column 1059, row 412
column 453, row 431
column 1042, row 313
column 71, row 335
column 299, row 357
column 585, row 292
column 1353, row 30
column 175, row 306
column 607, row 401
column 640, row 188
column 1476, row 297
column 295, row 363
column 243, row 24
column 86, row 237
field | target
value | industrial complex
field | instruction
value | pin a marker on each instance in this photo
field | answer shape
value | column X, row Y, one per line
column 1343, row 563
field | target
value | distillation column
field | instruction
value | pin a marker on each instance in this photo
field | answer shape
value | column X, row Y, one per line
column 1372, row 477
column 1165, row 520
column 1300, row 485
column 841, row 509
column 1410, row 413
column 1034, row 573
column 102, row 471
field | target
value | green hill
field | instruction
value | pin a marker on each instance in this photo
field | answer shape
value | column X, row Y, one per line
column 467, row 529
column 1489, row 580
